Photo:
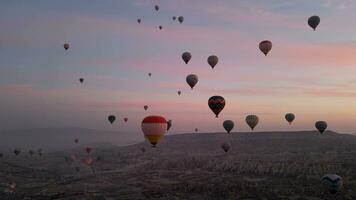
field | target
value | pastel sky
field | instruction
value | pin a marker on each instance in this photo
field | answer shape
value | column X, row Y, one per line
column 312, row 74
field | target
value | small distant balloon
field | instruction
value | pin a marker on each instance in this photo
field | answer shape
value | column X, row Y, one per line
column 179, row 92
column 160, row 27
column 228, row 125
column 314, row 21
column 76, row 140
column 216, row 104
column 149, row 74
column 174, row 18
column 265, row 46
column 143, row 150
column 180, row 19
column 192, row 80
column 186, row 56
column 212, row 61
column 111, row 118
column 252, row 121
column 126, row 119
column 332, row 182
column 196, row 130
column 17, row 151
column 81, row 80
column 66, row 46
column 156, row 7
column 88, row 149
column 321, row 126
column 225, row 147
column 290, row 117
column 145, row 107
column 169, row 124
column 154, row 128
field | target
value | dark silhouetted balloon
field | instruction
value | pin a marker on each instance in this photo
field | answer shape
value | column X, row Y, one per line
column 174, row 18
column 192, row 80
column 252, row 121
column 196, row 130
column 76, row 140
column 265, row 46
column 216, row 104
column 126, row 119
column 160, row 27
column 228, row 125
column 111, row 118
column 66, row 46
column 156, row 7
column 321, row 126
column 179, row 92
column 180, row 19
column 149, row 74
column 88, row 149
column 290, row 117
column 145, row 107
column 17, row 151
column 332, row 182
column 313, row 22
column 225, row 146
column 81, row 80
column 169, row 124
column 139, row 21
column 213, row 60
column 186, row 56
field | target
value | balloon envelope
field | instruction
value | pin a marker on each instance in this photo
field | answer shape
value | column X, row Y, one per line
column 265, row 46
column 81, row 80
column 252, row 121
column 216, row 104
column 314, row 21
column 139, row 21
column 66, row 46
column 186, row 56
column 228, row 125
column 225, row 146
column 321, row 126
column 126, row 119
column 145, row 107
column 289, row 117
column 213, row 60
column 179, row 92
column 88, row 149
column 111, row 118
column 180, row 19
column 332, row 182
column 156, row 7
column 154, row 128
column 192, row 80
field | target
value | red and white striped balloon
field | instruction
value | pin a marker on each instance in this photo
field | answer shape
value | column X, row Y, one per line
column 154, row 128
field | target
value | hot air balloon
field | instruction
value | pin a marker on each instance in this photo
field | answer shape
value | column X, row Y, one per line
column 174, row 18
column 111, row 118
column 228, row 125
column 66, row 46
column 213, row 60
column 216, row 104
column 88, row 161
column 179, row 92
column 154, row 128
column 145, row 107
column 143, row 150
column 31, row 152
column 332, row 182
column 321, row 126
column 225, row 146
column 314, row 21
column 186, row 56
column 290, row 117
column 180, row 19
column 192, row 80
column 126, row 119
column 149, row 74
column 76, row 140
column 169, row 124
column 160, row 27
column 196, row 130
column 77, row 168
column 265, row 46
column 88, row 149
column 17, row 151
column 252, row 121
column 139, row 21
column 156, row 7
column 81, row 80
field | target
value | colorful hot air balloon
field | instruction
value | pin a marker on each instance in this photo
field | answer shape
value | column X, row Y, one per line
column 111, row 118
column 179, row 92
column 174, row 18
column 216, row 104
column 154, row 128
column 186, row 56
column 228, row 125
column 88, row 149
column 81, row 80
column 192, row 80
column 66, row 46
column 290, row 117
column 252, row 121
column 332, row 182
column 76, row 140
column 225, row 146
column 314, row 21
column 17, row 151
column 180, row 19
column 169, row 124
column 126, row 119
column 156, row 7
column 139, row 21
column 145, row 107
column 321, row 126
column 265, row 46
column 212, row 61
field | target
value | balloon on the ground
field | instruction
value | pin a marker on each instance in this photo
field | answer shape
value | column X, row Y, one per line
column 265, row 46
column 228, row 125
column 321, row 126
column 154, row 127
column 216, row 104
column 314, row 21
column 252, row 121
